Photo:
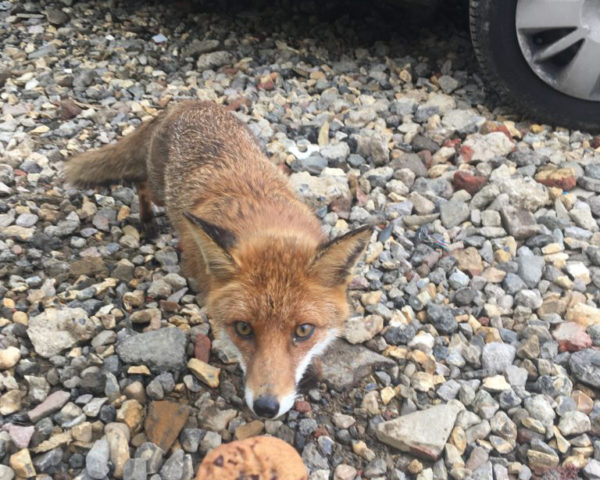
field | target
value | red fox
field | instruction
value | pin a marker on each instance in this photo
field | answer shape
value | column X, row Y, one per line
column 272, row 284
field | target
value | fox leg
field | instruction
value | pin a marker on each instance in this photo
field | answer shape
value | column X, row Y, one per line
column 145, row 200
column 193, row 264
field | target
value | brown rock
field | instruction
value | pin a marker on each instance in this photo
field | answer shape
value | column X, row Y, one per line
column 69, row 109
column 248, row 430
column 164, row 422
column 541, row 462
column 469, row 260
column 21, row 463
column 202, row 348
column 463, row 180
column 89, row 266
column 584, row 403
column 563, row 178
column 257, row 457
column 204, row 372
column 131, row 413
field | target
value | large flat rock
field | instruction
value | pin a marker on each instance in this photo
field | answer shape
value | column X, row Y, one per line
column 159, row 350
column 344, row 364
column 423, row 433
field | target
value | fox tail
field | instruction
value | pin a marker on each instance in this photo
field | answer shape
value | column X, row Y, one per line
column 124, row 160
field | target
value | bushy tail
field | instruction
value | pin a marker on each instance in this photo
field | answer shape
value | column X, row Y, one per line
column 121, row 161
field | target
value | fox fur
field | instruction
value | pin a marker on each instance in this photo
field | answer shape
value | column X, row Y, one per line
column 257, row 252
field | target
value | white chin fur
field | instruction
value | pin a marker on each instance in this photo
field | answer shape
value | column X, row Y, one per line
column 315, row 351
column 249, row 397
column 286, row 403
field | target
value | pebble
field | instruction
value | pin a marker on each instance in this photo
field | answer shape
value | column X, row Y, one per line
column 9, row 357
column 159, row 350
column 423, row 433
column 96, row 460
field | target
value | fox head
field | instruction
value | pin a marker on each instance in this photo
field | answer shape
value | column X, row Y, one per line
column 280, row 299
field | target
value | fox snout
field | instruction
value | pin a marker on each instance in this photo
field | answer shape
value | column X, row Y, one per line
column 273, row 371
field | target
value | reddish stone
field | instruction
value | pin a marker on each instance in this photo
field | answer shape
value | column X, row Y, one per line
column 19, row 173
column 452, row 143
column 504, row 130
column 320, row 431
column 571, row 337
column 563, row 178
column 268, row 85
column 164, row 422
column 19, row 435
column 202, row 348
column 426, row 157
column 485, row 321
column 596, row 142
column 302, row 406
column 69, row 109
column 169, row 306
column 361, row 196
column 584, row 403
column 466, row 153
column 463, row 180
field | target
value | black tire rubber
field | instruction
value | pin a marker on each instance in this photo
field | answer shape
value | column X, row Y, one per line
column 494, row 37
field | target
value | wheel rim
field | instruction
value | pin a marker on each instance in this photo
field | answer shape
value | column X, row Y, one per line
column 560, row 40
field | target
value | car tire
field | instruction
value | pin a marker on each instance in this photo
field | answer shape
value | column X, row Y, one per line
column 494, row 36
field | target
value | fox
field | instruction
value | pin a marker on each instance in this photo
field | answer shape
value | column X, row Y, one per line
column 274, row 286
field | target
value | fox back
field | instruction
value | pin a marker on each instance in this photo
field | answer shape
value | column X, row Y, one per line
column 273, row 286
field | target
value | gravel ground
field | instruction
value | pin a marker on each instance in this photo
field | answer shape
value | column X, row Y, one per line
column 473, row 350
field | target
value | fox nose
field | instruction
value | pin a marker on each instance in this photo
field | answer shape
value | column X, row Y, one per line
column 266, row 406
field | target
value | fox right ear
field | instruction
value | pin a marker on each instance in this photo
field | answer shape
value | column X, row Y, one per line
column 214, row 243
column 335, row 259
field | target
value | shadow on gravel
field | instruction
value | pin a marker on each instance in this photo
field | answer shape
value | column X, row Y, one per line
column 436, row 35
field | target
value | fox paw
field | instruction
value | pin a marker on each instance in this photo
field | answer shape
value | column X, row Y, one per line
column 150, row 231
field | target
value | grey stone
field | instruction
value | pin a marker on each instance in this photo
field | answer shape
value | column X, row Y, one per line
column 442, row 318
column 454, row 212
column 55, row 330
column 174, row 466
column 574, row 423
column 585, row 366
column 213, row 60
column 152, row 455
column 497, row 356
column 530, row 269
column 96, row 460
column 135, row 469
column 423, row 433
column 159, row 350
column 343, row 364
column 313, row 458
column 518, row 222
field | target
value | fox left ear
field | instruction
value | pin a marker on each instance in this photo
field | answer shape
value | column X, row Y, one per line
column 214, row 243
column 335, row 259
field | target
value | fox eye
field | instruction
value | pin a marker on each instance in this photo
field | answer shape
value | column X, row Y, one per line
column 243, row 329
column 303, row 332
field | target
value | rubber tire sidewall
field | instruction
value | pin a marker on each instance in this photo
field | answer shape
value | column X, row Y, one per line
column 494, row 34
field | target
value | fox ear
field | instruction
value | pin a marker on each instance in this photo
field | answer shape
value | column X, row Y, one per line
column 214, row 243
column 335, row 259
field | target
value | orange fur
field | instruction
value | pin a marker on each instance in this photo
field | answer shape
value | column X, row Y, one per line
column 255, row 250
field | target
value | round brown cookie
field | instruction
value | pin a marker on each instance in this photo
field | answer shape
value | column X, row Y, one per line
column 255, row 458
